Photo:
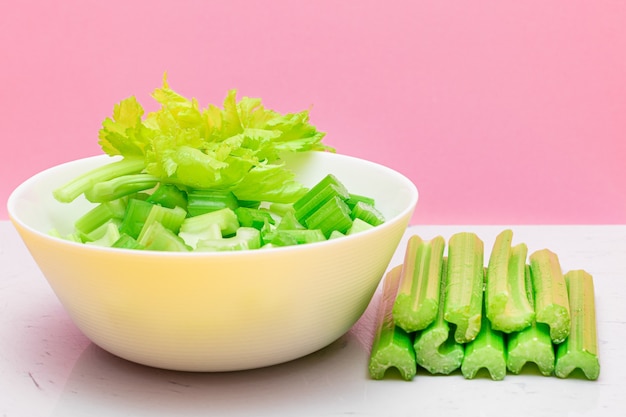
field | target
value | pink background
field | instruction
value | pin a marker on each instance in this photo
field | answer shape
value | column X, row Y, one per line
column 501, row 112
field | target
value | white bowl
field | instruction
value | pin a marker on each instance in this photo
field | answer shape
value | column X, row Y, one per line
column 216, row 311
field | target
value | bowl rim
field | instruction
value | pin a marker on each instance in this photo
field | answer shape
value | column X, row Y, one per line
column 17, row 221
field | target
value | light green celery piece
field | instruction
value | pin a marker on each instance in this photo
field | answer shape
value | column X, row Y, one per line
column 464, row 289
column 486, row 351
column 550, row 294
column 506, row 303
column 435, row 347
column 580, row 349
column 417, row 302
column 392, row 347
column 120, row 186
column 532, row 344
column 109, row 237
column 170, row 218
column 358, row 225
column 159, row 238
column 245, row 238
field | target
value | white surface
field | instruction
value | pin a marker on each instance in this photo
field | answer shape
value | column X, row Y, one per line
column 48, row 368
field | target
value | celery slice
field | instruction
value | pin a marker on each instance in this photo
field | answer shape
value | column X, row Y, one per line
column 392, row 346
column 327, row 188
column 168, row 195
column 159, row 238
column 486, row 351
column 435, row 347
column 250, row 217
column 358, row 226
column 580, row 349
column 207, row 201
column 119, row 187
column 295, row 237
column 332, row 215
column 99, row 216
column 245, row 238
column 506, row 303
column 126, row 242
column 367, row 213
column 417, row 302
column 550, row 293
column 170, row 218
column 532, row 344
column 464, row 289
column 137, row 212
column 225, row 218
column 109, row 236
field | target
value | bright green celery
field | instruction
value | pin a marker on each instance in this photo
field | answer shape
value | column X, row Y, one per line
column 251, row 217
column 283, row 237
column 392, row 346
column 332, row 215
column 506, row 303
column 159, row 238
column 435, row 347
column 353, row 199
column 168, row 195
column 109, row 235
column 580, row 349
column 550, row 294
column 213, row 225
column 170, row 218
column 289, row 222
column 417, row 302
column 367, row 213
column 126, row 242
column 120, row 187
column 98, row 216
column 464, row 289
column 206, row 201
column 81, row 184
column 532, row 344
column 358, row 226
column 245, row 238
column 326, row 189
column 137, row 212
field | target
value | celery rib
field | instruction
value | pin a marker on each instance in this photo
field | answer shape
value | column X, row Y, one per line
column 506, row 304
column 580, row 349
column 417, row 302
column 464, row 289
column 435, row 347
column 550, row 292
column 392, row 346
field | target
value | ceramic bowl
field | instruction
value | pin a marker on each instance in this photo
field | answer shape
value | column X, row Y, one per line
column 221, row 311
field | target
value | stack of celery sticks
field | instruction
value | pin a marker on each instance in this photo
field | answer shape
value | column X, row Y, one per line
column 445, row 312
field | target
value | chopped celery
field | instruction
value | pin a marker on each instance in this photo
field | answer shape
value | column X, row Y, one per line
column 464, row 289
column 486, row 351
column 353, row 199
column 417, row 302
column 580, row 349
column 289, row 222
column 79, row 185
column 137, row 212
column 392, row 346
column 333, row 215
column 532, row 344
column 250, row 217
column 326, row 189
column 225, row 218
column 358, row 225
column 506, row 303
column 295, row 237
column 435, row 347
column 206, row 201
column 168, row 195
column 550, row 294
column 98, row 216
column 126, row 242
column 170, row 218
column 158, row 237
column 245, row 238
column 120, row 186
column 109, row 236
column 367, row 213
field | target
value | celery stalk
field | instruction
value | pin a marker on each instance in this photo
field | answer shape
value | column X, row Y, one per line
column 120, row 186
column 464, row 289
column 580, row 349
column 334, row 214
column 532, row 344
column 435, row 347
column 392, row 346
column 550, row 292
column 417, row 302
column 486, row 351
column 506, row 303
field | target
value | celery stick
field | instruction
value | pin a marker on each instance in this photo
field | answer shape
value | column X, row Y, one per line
column 367, row 213
column 120, row 186
column 126, row 242
column 506, row 303
column 358, row 225
column 327, row 188
column 532, row 344
column 392, row 346
column 435, row 347
column 109, row 237
column 245, row 238
column 353, row 199
column 464, row 288
column 486, row 351
column 206, row 201
column 250, row 217
column 332, row 215
column 137, row 212
column 168, row 195
column 580, row 349
column 170, row 218
column 98, row 216
column 550, row 293
column 289, row 222
column 417, row 302
column 295, row 237
column 159, row 238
